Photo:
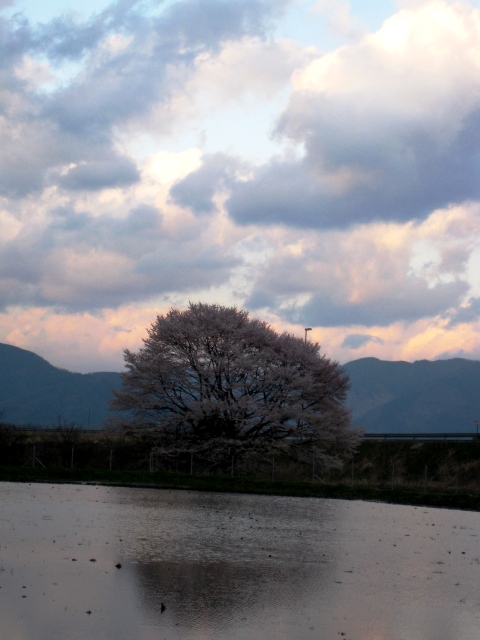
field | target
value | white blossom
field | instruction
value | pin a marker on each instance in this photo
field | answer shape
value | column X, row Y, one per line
column 211, row 379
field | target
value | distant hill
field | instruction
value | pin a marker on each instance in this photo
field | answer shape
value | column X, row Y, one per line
column 32, row 391
column 385, row 397
column 423, row 396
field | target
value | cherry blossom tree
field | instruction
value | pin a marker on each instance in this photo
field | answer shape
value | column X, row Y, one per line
column 212, row 379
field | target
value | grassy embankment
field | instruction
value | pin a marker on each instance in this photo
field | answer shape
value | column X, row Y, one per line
column 443, row 474
column 171, row 480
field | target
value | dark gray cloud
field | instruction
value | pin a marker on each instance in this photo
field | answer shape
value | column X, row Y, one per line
column 423, row 176
column 285, row 193
column 197, row 190
column 260, row 300
column 357, row 340
column 209, row 22
column 407, row 303
column 466, row 313
column 93, row 176
column 197, row 268
column 137, row 233
column 187, row 24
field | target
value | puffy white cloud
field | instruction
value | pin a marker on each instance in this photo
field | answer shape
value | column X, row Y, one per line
column 388, row 127
column 340, row 18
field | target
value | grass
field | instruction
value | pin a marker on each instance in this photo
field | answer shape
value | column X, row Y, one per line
column 164, row 480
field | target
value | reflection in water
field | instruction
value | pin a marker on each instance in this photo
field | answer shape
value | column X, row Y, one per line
column 231, row 566
column 215, row 557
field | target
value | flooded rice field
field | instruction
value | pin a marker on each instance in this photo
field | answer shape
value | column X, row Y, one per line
column 89, row 562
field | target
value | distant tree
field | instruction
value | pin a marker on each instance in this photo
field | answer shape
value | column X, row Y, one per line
column 210, row 379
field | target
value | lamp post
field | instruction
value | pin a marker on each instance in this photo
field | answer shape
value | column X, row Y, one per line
column 307, row 329
column 476, row 423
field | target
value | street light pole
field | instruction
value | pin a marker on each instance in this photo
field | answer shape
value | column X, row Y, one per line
column 476, row 423
column 307, row 329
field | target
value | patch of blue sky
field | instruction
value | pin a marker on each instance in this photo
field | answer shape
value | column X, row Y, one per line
column 312, row 23
column 307, row 27
column 39, row 11
column 373, row 12
column 246, row 130
column 61, row 74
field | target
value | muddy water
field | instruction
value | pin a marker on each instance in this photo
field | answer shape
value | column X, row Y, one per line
column 84, row 562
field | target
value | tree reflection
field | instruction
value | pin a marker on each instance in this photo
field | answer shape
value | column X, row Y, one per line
column 210, row 568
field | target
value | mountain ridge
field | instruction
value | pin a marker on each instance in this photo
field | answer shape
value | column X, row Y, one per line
column 407, row 397
column 33, row 391
column 386, row 396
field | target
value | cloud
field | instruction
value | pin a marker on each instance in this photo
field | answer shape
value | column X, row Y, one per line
column 466, row 313
column 340, row 19
column 79, row 261
column 210, row 22
column 250, row 66
column 95, row 341
column 128, row 63
column 260, row 300
column 371, row 275
column 120, row 196
column 100, row 175
column 198, row 189
column 415, row 300
column 388, row 127
column 357, row 340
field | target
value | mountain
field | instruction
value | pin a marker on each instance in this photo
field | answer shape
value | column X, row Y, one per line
column 385, row 397
column 423, row 396
column 32, row 391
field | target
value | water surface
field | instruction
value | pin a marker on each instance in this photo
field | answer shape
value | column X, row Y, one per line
column 86, row 562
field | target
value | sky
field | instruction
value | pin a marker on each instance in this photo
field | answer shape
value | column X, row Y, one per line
column 316, row 162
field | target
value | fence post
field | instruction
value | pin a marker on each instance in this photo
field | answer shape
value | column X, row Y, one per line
column 33, row 456
column 231, row 473
column 273, row 469
column 425, row 480
column 71, row 461
column 352, row 475
column 111, row 457
column 393, row 474
column 313, row 469
column 191, row 464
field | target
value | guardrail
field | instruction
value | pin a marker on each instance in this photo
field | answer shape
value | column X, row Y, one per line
column 366, row 436
column 422, row 436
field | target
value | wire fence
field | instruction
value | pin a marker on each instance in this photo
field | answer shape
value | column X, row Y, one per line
column 425, row 466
